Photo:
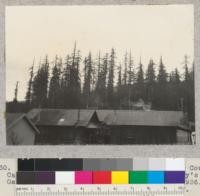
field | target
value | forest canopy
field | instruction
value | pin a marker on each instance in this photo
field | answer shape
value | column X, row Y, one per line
column 103, row 83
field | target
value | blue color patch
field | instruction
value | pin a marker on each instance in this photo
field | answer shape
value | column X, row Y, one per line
column 155, row 177
column 174, row 177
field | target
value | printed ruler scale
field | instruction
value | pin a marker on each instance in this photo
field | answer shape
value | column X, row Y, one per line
column 103, row 190
column 9, row 186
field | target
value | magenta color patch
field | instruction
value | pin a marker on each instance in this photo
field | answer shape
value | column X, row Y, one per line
column 83, row 177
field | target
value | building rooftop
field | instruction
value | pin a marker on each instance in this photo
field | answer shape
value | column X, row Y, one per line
column 74, row 117
column 14, row 118
column 11, row 118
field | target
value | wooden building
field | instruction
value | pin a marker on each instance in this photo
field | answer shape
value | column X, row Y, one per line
column 62, row 126
column 20, row 130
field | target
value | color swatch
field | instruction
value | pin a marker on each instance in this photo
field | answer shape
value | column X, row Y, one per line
column 174, row 177
column 138, row 177
column 83, row 177
column 26, row 178
column 156, row 177
column 65, row 177
column 101, row 177
column 120, row 177
column 45, row 177
column 101, row 171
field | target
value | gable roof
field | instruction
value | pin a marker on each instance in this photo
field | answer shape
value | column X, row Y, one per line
column 86, row 116
column 65, row 117
column 14, row 118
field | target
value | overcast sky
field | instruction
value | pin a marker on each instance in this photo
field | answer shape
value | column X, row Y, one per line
column 148, row 31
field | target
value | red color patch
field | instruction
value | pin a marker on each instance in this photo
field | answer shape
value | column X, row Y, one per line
column 102, row 177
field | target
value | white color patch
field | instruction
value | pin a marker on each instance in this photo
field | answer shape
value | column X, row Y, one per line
column 176, row 164
column 65, row 177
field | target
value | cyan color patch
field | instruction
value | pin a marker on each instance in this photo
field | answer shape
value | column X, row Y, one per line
column 155, row 177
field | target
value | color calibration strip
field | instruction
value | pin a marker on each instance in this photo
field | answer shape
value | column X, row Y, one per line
column 102, row 177
column 101, row 171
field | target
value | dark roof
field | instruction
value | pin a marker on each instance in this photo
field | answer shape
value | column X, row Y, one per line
column 145, row 118
column 65, row 117
column 13, row 118
column 60, row 117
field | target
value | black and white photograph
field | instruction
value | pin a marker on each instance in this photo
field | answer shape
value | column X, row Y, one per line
column 100, row 75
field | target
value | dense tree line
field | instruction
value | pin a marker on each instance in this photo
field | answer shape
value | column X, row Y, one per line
column 105, row 84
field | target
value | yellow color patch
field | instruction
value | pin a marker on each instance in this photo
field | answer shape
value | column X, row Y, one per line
column 119, row 177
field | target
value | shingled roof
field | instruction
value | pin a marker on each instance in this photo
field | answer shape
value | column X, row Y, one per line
column 65, row 117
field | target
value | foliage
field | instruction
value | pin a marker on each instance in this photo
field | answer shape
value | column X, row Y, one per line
column 104, row 84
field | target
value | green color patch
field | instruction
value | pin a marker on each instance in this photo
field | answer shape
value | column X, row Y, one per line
column 138, row 177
